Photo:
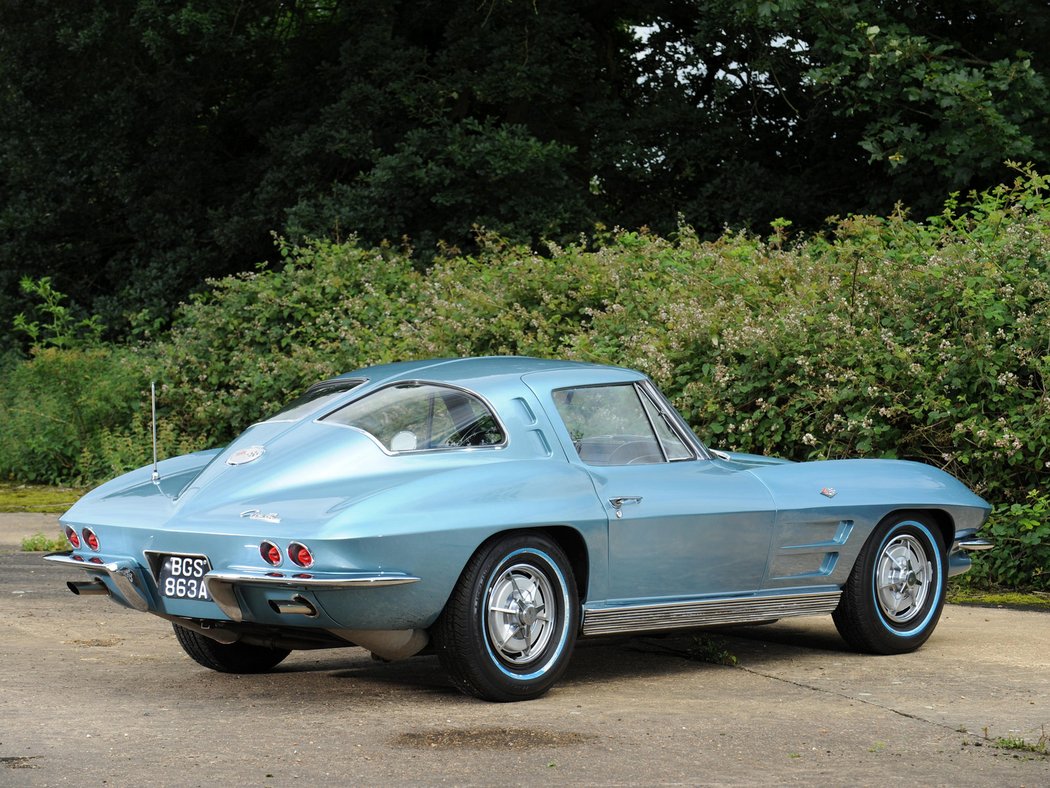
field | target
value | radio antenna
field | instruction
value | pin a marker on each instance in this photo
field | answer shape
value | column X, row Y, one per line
column 153, row 423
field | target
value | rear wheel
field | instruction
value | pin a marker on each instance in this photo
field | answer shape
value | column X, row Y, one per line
column 227, row 657
column 509, row 628
column 894, row 596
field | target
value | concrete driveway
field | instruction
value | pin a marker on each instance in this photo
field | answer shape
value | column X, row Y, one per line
column 92, row 694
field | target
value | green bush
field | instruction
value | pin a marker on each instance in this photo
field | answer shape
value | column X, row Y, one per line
column 59, row 405
column 1021, row 558
column 253, row 341
column 885, row 337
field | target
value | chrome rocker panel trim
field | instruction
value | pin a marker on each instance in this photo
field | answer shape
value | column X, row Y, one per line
column 975, row 544
column 222, row 585
column 122, row 573
column 708, row 612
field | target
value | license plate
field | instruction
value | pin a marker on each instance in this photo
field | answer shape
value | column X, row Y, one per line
column 182, row 577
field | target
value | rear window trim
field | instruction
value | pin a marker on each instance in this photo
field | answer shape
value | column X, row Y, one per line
column 333, row 383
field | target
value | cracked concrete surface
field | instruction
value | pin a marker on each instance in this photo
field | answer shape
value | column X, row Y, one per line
column 94, row 694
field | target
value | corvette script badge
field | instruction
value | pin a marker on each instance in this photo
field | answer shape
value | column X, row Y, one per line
column 257, row 514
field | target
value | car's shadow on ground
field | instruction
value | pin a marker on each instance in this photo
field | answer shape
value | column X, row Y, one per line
column 596, row 661
column 797, row 634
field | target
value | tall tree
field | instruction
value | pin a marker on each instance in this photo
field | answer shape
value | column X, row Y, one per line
column 146, row 144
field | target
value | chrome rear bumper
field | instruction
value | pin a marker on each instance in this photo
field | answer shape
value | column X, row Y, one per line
column 121, row 573
column 222, row 585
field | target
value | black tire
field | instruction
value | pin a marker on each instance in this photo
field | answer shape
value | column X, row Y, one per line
column 516, row 594
column 227, row 657
column 893, row 598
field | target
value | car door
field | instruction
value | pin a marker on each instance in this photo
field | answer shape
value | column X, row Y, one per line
column 680, row 525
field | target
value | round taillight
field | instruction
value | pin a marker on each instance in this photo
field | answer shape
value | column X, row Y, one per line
column 300, row 555
column 71, row 535
column 90, row 539
column 270, row 553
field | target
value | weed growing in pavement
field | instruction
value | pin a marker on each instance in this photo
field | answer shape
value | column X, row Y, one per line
column 706, row 648
column 1018, row 743
column 42, row 543
column 1039, row 747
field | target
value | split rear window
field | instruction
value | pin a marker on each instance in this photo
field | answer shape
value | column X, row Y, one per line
column 422, row 416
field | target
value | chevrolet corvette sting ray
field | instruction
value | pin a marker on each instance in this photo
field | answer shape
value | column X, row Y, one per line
column 495, row 510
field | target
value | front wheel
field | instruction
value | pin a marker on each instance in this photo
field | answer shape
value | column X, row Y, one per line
column 893, row 598
column 509, row 627
column 227, row 657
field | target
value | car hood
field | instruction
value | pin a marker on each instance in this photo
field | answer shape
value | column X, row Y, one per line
column 850, row 484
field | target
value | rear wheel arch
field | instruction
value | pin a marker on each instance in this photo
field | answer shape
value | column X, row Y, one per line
column 572, row 543
column 569, row 539
column 508, row 629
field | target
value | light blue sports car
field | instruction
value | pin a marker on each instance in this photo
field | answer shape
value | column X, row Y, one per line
column 494, row 510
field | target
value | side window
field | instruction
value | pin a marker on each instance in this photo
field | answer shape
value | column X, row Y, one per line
column 608, row 425
column 420, row 416
column 673, row 445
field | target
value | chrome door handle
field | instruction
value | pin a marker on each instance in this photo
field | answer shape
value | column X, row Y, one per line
column 621, row 500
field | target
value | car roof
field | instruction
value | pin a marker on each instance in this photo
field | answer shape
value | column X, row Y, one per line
column 468, row 370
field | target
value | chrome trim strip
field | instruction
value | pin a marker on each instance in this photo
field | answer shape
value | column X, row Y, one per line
column 122, row 573
column 975, row 544
column 700, row 451
column 222, row 585
column 707, row 612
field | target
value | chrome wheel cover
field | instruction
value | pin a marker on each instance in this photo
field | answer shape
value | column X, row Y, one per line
column 903, row 578
column 520, row 614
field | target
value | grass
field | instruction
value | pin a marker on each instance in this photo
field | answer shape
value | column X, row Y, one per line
column 1013, row 743
column 1017, row 743
column 37, row 498
column 42, row 543
column 706, row 648
column 1037, row 600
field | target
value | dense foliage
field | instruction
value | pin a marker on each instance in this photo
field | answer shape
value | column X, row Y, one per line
column 885, row 338
column 147, row 144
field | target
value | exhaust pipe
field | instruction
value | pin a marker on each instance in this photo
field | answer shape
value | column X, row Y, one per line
column 90, row 588
column 297, row 605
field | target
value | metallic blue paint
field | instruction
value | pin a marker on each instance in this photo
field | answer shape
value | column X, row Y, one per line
column 704, row 528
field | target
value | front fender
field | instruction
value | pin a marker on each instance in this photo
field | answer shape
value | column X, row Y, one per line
column 827, row 510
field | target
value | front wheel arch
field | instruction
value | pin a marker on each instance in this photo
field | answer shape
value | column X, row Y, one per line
column 892, row 600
